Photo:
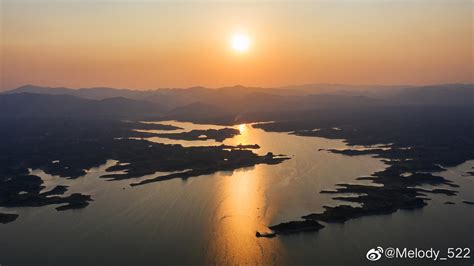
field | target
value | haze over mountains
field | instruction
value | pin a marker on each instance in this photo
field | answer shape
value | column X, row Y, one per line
column 199, row 103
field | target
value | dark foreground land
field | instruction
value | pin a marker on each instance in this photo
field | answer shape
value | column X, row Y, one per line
column 68, row 147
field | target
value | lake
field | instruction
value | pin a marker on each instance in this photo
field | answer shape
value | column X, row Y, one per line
column 213, row 219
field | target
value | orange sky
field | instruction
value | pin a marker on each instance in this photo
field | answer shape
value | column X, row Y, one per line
column 152, row 44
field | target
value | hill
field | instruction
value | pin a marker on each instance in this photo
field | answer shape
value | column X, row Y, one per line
column 42, row 105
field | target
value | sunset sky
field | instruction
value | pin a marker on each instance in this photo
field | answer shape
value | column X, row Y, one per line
column 154, row 44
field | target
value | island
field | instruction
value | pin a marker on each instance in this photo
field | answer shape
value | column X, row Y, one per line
column 7, row 217
column 68, row 148
column 414, row 148
column 218, row 135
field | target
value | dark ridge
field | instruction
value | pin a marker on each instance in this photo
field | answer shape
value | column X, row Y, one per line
column 215, row 134
column 33, row 105
column 227, row 165
column 149, row 126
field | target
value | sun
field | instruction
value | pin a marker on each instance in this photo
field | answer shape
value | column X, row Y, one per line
column 240, row 42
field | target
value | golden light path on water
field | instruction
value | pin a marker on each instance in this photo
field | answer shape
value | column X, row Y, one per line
column 242, row 211
column 250, row 199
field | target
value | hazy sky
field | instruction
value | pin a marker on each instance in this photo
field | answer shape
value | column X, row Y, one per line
column 151, row 44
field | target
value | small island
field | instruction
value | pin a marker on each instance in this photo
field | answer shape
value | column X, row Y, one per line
column 218, row 135
column 7, row 217
column 296, row 226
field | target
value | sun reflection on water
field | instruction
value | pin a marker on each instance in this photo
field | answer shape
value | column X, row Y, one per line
column 246, row 136
column 241, row 212
column 242, row 128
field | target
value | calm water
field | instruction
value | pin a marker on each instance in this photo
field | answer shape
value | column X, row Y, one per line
column 212, row 219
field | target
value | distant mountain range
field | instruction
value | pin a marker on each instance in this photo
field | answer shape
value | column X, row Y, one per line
column 199, row 102
column 43, row 105
column 98, row 93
